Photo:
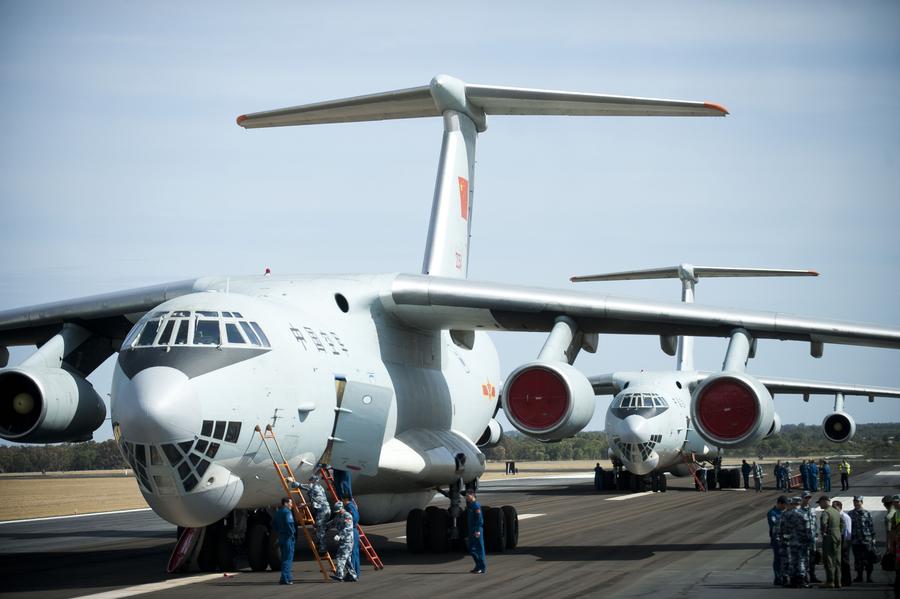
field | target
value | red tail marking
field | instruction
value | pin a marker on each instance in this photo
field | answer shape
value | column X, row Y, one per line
column 464, row 198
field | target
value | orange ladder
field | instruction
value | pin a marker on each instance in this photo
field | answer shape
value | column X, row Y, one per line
column 363, row 539
column 302, row 514
column 692, row 467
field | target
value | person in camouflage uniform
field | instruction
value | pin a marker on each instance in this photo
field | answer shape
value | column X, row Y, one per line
column 862, row 539
column 813, row 528
column 343, row 523
column 793, row 535
column 321, row 509
column 773, row 517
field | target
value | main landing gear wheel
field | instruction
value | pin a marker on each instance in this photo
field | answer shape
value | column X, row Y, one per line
column 494, row 529
column 511, row 520
column 415, row 531
column 206, row 557
column 273, row 552
column 436, row 525
column 257, row 547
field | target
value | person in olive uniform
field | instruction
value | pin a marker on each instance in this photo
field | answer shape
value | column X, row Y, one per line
column 832, row 531
column 476, row 532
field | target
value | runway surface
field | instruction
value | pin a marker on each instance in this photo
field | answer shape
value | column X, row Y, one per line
column 574, row 542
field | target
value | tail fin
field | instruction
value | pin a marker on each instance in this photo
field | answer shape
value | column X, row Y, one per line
column 464, row 108
column 690, row 275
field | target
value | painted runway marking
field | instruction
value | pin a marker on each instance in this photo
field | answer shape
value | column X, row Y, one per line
column 154, row 586
column 527, row 516
column 631, row 496
column 140, row 509
column 888, row 473
column 873, row 504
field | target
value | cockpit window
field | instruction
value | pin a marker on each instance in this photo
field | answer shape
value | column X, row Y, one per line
column 166, row 334
column 232, row 333
column 149, row 333
column 181, row 337
column 262, row 336
column 206, row 332
column 642, row 400
column 209, row 314
column 251, row 335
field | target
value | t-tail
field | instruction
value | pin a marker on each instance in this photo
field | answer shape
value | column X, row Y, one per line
column 690, row 276
column 464, row 108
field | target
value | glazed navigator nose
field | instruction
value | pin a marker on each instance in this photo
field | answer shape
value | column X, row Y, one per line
column 158, row 405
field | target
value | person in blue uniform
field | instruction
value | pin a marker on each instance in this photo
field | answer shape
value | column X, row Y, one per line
column 350, row 506
column 813, row 476
column 287, row 533
column 745, row 472
column 476, row 532
column 342, row 482
column 826, row 476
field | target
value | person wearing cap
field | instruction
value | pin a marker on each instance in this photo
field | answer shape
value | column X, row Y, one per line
column 862, row 540
column 773, row 517
column 807, row 510
column 286, row 528
column 342, row 522
column 793, row 532
column 832, row 528
column 350, row 506
column 321, row 509
column 475, row 521
column 845, row 542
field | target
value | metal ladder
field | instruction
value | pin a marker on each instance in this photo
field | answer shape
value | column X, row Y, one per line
column 363, row 539
column 692, row 468
column 302, row 514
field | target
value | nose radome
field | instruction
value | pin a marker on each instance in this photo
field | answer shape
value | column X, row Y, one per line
column 635, row 429
column 159, row 405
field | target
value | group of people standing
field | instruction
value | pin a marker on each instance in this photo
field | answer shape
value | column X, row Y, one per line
column 796, row 528
column 756, row 471
column 813, row 476
column 342, row 517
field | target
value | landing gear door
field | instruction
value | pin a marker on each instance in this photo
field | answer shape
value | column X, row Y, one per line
column 359, row 428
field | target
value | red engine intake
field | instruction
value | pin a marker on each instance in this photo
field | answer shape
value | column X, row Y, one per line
column 732, row 410
column 548, row 400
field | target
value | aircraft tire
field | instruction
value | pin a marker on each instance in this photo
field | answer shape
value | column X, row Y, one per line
column 663, row 482
column 225, row 553
column 257, row 542
column 462, row 526
column 654, row 482
column 494, row 529
column 415, row 531
column 511, row 521
column 273, row 552
column 436, row 525
column 206, row 557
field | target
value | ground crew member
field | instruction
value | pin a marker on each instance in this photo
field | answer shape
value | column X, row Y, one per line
column 287, row 533
column 812, row 529
column 813, row 470
column 475, row 521
column 832, row 529
column 342, row 521
column 321, row 509
column 745, row 472
column 862, row 540
column 350, row 506
column 888, row 502
column 844, row 469
column 845, row 542
column 757, row 476
column 342, row 482
column 793, row 533
column 786, row 473
column 826, row 476
column 776, row 472
column 773, row 517
column 598, row 477
column 804, row 474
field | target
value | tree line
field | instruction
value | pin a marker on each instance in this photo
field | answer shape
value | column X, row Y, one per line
column 871, row 440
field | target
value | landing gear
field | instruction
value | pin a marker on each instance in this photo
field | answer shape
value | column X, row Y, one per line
column 257, row 547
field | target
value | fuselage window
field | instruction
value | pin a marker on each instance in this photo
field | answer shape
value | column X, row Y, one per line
column 232, row 333
column 250, row 334
column 206, row 332
column 166, row 333
column 149, row 333
column 262, row 336
column 181, row 337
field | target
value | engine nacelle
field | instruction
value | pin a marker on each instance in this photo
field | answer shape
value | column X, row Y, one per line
column 548, row 400
column 47, row 405
column 838, row 427
column 776, row 426
column 491, row 436
column 732, row 409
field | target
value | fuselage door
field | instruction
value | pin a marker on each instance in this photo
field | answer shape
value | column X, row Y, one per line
column 359, row 427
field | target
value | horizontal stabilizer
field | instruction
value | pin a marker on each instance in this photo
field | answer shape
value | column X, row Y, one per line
column 678, row 272
column 448, row 93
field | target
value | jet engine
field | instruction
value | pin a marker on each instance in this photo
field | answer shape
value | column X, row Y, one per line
column 491, row 436
column 732, row 409
column 838, row 427
column 548, row 400
column 47, row 405
column 776, row 426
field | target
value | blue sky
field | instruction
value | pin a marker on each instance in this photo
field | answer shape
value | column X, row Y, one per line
column 121, row 164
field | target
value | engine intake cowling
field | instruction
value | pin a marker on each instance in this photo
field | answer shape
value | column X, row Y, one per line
column 838, row 427
column 48, row 405
column 732, row 409
column 776, row 426
column 548, row 400
column 491, row 436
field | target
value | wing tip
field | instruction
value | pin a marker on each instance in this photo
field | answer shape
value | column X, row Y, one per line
column 718, row 107
column 241, row 119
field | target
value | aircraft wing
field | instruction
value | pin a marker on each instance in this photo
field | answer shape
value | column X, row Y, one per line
column 782, row 386
column 105, row 315
column 437, row 302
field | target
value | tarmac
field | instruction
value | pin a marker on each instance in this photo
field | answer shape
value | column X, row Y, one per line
column 574, row 542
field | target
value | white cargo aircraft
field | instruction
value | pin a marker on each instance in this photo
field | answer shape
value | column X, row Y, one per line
column 390, row 376
column 665, row 421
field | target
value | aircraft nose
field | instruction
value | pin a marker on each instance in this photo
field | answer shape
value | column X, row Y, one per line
column 635, row 429
column 158, row 405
